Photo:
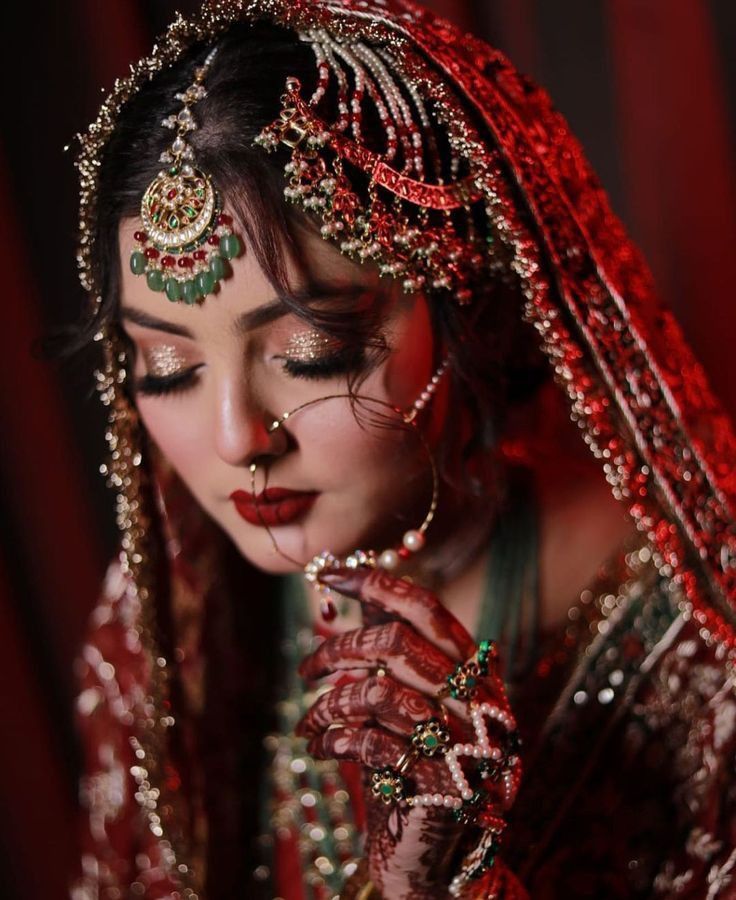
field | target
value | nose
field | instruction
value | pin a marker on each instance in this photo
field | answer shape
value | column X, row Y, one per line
column 241, row 429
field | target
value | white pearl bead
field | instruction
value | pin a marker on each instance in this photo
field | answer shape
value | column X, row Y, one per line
column 468, row 749
column 496, row 753
column 389, row 559
column 467, row 794
column 438, row 799
column 413, row 540
column 449, row 802
column 477, row 752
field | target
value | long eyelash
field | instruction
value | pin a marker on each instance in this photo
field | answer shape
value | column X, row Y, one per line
column 347, row 360
column 155, row 386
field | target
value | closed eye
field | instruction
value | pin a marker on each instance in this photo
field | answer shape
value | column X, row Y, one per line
column 346, row 360
column 161, row 385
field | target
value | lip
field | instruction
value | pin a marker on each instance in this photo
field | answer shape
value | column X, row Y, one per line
column 274, row 506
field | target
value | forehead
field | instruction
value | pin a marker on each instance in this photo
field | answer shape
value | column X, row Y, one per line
column 248, row 287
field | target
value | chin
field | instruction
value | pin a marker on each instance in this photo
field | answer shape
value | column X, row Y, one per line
column 300, row 543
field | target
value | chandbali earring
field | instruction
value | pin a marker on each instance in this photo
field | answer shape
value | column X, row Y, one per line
column 186, row 240
column 412, row 541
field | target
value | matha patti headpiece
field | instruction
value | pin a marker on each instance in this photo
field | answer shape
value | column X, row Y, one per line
column 419, row 223
column 186, row 240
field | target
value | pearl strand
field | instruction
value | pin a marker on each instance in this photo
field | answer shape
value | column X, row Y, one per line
column 481, row 749
column 426, row 395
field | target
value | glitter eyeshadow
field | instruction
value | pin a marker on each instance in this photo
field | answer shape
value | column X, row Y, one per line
column 310, row 345
column 164, row 361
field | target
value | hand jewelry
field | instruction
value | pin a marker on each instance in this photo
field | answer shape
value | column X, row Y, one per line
column 431, row 738
column 462, row 682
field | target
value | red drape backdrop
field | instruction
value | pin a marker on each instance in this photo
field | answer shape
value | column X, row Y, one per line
column 648, row 85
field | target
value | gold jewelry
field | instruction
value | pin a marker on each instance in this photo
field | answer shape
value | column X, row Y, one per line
column 186, row 239
column 430, row 737
column 462, row 682
column 387, row 784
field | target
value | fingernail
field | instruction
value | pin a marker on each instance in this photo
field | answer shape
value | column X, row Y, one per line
column 347, row 581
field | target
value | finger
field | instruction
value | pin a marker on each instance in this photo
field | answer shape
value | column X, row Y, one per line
column 376, row 748
column 371, row 746
column 411, row 660
column 409, row 602
column 383, row 700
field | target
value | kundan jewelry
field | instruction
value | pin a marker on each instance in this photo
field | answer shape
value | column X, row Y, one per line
column 462, row 682
column 186, row 240
column 498, row 761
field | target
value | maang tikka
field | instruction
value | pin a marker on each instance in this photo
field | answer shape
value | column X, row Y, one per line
column 187, row 240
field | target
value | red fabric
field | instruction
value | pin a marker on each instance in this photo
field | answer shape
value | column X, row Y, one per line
column 678, row 166
column 113, row 36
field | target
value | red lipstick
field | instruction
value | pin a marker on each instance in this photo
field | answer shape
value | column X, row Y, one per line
column 274, row 506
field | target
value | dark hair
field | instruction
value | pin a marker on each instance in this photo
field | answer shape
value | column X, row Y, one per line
column 493, row 364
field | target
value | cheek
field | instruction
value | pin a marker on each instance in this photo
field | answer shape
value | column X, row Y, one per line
column 349, row 455
column 179, row 432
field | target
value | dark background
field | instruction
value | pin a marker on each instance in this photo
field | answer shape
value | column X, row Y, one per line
column 648, row 86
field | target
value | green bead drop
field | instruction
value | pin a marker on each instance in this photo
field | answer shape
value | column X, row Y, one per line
column 230, row 246
column 217, row 267
column 189, row 292
column 155, row 279
column 205, row 283
column 137, row 262
column 173, row 289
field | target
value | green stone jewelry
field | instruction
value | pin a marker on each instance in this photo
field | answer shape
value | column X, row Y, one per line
column 462, row 682
column 387, row 785
column 430, row 737
column 186, row 241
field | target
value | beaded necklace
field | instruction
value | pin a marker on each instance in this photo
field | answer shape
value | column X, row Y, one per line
column 304, row 800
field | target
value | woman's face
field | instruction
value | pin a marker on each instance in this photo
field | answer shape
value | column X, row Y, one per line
column 210, row 380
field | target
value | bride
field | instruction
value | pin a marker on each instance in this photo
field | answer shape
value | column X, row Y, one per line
column 427, row 546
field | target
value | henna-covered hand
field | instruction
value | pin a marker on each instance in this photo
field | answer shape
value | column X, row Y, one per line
column 409, row 633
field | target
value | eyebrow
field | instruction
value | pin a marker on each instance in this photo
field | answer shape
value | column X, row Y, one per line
column 252, row 319
column 247, row 321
